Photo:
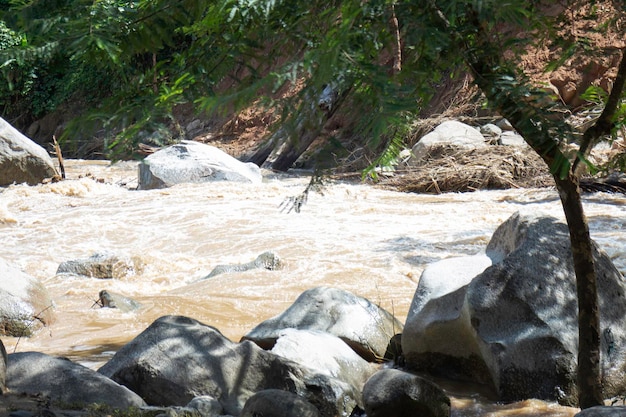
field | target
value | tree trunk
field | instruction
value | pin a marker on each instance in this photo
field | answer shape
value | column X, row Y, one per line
column 265, row 150
column 589, row 376
column 292, row 139
column 294, row 147
column 530, row 120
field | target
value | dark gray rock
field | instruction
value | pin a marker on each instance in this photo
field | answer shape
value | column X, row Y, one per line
column 177, row 358
column 25, row 304
column 102, row 265
column 601, row 411
column 3, row 368
column 364, row 326
column 21, row 159
column 395, row 393
column 514, row 326
column 277, row 403
column 65, row 382
column 193, row 162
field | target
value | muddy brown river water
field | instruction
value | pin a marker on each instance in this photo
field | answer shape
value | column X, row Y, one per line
column 370, row 241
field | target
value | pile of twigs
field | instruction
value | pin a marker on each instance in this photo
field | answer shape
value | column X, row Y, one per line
column 449, row 169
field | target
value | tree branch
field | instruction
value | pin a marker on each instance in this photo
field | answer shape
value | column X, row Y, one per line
column 604, row 124
column 397, row 47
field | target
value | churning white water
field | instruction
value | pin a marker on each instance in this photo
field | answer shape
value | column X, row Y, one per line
column 370, row 241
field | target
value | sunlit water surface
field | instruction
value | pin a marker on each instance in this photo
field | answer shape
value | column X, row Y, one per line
column 370, row 241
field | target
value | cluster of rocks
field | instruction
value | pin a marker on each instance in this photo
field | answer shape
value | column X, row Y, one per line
column 26, row 306
column 508, row 318
column 314, row 359
column 505, row 318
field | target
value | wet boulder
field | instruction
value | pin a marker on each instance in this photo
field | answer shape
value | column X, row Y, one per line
column 193, row 162
column 109, row 299
column 177, row 358
column 278, row 403
column 102, row 265
column 395, row 393
column 513, row 327
column 267, row 260
column 364, row 326
column 21, row 159
column 25, row 304
column 65, row 382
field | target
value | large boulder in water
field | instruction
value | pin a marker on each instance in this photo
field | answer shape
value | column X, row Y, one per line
column 21, row 159
column 194, row 162
column 25, row 304
column 103, row 265
column 65, row 382
column 514, row 326
column 364, row 326
column 177, row 358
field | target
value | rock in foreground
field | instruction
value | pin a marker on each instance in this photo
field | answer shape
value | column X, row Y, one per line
column 514, row 326
column 394, row 393
column 277, row 403
column 65, row 382
column 177, row 358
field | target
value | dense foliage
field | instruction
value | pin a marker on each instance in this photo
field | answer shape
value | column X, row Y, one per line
column 131, row 62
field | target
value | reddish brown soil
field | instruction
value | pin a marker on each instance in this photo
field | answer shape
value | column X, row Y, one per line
column 598, row 28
